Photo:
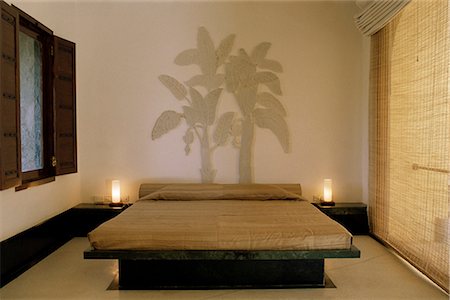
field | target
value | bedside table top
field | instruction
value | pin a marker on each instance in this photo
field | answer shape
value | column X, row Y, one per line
column 100, row 206
column 343, row 208
column 342, row 205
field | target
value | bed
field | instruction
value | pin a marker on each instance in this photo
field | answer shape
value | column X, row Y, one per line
column 193, row 236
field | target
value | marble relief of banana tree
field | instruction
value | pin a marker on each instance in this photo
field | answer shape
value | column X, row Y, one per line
column 243, row 79
column 200, row 111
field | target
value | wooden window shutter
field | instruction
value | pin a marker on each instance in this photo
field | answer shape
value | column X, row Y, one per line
column 65, row 106
column 10, row 152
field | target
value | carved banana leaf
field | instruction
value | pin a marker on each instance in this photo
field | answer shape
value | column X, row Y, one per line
column 243, row 55
column 269, row 101
column 231, row 77
column 215, row 81
column 206, row 52
column 258, row 57
column 223, row 128
column 177, row 89
column 202, row 110
column 197, row 99
column 259, row 53
column 271, row 65
column 267, row 118
column 239, row 72
column 224, row 49
column 208, row 58
column 211, row 100
column 167, row 121
column 210, row 82
column 187, row 57
column 246, row 99
column 270, row 80
column 192, row 116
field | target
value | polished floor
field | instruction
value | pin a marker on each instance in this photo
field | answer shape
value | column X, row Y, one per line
column 378, row 274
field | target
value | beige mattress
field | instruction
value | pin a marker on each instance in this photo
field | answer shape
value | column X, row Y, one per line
column 220, row 224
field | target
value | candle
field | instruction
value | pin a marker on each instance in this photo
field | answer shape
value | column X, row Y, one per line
column 327, row 191
column 116, row 191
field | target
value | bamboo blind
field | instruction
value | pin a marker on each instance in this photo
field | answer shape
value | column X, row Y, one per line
column 410, row 136
column 377, row 14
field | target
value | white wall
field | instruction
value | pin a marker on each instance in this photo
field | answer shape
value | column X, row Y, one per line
column 24, row 209
column 123, row 47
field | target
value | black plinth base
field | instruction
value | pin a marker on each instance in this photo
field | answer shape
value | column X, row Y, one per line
column 217, row 274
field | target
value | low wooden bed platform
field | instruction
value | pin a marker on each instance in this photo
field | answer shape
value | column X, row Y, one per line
column 219, row 268
column 198, row 269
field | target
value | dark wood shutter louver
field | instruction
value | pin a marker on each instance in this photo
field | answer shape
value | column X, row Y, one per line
column 10, row 151
column 65, row 106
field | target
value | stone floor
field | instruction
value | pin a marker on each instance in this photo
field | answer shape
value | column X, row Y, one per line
column 378, row 274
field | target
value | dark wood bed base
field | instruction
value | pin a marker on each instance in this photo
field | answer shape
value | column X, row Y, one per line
column 217, row 269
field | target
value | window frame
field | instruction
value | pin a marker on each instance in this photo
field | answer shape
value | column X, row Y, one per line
column 35, row 29
column 59, row 113
column 10, row 154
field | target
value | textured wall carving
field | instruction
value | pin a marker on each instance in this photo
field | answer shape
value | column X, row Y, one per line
column 245, row 77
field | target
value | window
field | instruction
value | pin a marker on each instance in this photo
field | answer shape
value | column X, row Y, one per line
column 37, row 108
column 35, row 100
column 31, row 98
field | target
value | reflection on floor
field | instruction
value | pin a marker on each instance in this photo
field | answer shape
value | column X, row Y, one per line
column 378, row 274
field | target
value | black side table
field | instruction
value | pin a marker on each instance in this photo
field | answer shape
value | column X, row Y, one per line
column 87, row 216
column 352, row 216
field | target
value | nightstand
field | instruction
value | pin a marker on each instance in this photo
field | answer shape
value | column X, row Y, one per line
column 352, row 216
column 87, row 216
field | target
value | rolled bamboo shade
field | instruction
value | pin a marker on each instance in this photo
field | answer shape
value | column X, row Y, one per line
column 377, row 14
column 410, row 136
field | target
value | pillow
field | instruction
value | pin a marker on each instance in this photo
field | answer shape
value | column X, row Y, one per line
column 222, row 192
